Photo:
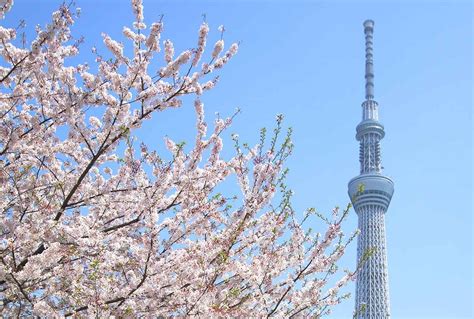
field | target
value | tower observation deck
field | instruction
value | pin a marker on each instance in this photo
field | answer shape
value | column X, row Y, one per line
column 370, row 193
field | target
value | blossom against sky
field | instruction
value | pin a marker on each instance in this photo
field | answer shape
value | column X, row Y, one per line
column 306, row 60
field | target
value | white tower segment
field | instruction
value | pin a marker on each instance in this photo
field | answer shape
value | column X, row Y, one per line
column 371, row 193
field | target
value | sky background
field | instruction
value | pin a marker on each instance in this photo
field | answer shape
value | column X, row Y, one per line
column 306, row 60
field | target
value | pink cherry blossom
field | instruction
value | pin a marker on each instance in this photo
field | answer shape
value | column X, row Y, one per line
column 203, row 31
column 218, row 47
column 96, row 224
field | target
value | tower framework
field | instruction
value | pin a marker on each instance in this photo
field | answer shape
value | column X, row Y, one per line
column 370, row 193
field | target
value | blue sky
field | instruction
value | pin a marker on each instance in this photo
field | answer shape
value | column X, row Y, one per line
column 306, row 60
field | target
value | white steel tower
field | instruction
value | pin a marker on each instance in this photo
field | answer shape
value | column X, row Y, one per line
column 371, row 193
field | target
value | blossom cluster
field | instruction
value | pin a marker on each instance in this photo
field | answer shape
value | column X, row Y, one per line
column 94, row 226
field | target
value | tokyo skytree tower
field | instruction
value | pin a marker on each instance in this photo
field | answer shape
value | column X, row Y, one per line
column 370, row 193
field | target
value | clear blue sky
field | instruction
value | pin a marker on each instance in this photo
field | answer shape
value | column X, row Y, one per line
column 306, row 60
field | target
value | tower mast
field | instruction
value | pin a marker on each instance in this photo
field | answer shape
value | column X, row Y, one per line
column 370, row 193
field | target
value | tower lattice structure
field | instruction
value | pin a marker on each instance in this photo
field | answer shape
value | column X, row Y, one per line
column 370, row 193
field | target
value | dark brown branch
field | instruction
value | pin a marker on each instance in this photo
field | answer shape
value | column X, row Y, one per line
column 108, row 302
column 289, row 288
column 115, row 227
column 38, row 251
column 14, row 68
column 136, row 219
column 21, row 288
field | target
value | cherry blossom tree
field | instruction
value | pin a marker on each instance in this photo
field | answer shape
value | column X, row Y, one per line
column 94, row 226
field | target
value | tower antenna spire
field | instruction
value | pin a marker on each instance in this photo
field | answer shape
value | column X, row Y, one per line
column 369, row 59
